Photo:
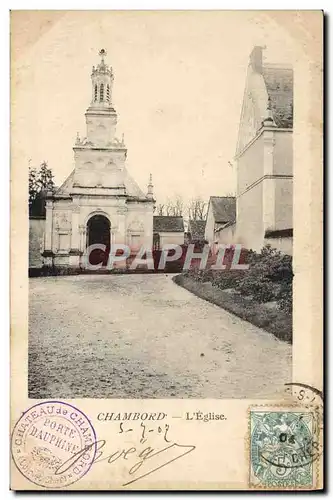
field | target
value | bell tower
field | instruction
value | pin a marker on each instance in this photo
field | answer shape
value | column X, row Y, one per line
column 101, row 117
column 102, row 80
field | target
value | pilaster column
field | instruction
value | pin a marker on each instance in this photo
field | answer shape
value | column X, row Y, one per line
column 82, row 234
column 268, row 193
column 148, row 238
column 121, row 226
column 48, row 226
column 75, row 240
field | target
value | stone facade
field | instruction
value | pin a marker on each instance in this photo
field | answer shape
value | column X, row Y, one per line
column 264, row 157
column 99, row 203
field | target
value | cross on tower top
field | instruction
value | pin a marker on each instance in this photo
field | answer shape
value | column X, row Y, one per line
column 102, row 53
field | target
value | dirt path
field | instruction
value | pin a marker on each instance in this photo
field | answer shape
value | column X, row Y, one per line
column 142, row 336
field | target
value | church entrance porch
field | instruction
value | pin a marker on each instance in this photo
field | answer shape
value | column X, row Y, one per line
column 76, row 225
column 98, row 233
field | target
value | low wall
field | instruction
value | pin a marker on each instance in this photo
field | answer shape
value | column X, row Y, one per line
column 284, row 245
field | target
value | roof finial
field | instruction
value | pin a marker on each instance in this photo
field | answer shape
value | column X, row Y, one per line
column 102, row 53
column 77, row 141
column 269, row 121
column 150, row 187
column 269, row 103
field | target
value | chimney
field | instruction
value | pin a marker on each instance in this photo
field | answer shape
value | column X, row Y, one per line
column 256, row 58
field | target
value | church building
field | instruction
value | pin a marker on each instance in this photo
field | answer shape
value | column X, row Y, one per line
column 99, row 202
column 264, row 157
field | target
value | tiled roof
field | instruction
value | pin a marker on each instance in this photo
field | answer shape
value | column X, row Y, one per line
column 197, row 229
column 66, row 186
column 224, row 208
column 168, row 224
column 132, row 188
column 279, row 84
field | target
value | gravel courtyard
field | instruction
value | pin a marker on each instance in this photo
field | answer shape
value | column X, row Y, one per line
column 143, row 336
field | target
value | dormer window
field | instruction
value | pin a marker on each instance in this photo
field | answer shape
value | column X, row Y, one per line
column 108, row 92
column 101, row 93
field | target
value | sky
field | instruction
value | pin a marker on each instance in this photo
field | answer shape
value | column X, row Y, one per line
column 178, row 90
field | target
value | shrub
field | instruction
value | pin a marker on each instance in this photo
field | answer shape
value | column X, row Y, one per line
column 269, row 277
column 285, row 301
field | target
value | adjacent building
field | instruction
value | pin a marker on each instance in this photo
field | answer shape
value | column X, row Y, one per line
column 264, row 157
column 167, row 230
column 220, row 222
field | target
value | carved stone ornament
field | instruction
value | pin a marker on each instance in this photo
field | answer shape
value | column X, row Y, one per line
column 122, row 211
column 136, row 227
column 76, row 209
column 62, row 220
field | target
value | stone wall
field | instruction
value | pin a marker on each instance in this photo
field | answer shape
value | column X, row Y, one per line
column 284, row 245
column 250, row 227
column 227, row 236
column 250, row 171
column 171, row 238
column 36, row 241
column 283, row 166
column 265, row 189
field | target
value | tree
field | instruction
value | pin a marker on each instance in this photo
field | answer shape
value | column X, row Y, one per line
column 40, row 182
column 197, row 209
column 160, row 209
column 177, row 206
column 33, row 186
column 172, row 207
column 45, row 178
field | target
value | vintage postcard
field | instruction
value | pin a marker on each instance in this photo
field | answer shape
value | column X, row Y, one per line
column 166, row 250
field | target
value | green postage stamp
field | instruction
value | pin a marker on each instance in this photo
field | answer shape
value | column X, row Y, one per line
column 284, row 449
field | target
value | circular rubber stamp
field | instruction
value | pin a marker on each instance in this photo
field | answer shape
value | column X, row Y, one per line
column 53, row 444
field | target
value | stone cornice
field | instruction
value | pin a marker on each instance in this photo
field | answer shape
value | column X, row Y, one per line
column 111, row 149
column 106, row 111
column 265, row 177
column 259, row 133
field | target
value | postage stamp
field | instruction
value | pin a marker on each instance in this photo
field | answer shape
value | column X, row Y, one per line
column 47, row 437
column 284, row 446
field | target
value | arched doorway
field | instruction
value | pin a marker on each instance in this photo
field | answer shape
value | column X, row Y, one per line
column 98, row 232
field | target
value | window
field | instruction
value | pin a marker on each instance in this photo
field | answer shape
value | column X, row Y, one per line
column 108, row 92
column 101, row 92
column 95, row 97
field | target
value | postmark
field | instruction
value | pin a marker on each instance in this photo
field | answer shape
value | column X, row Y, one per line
column 47, row 436
column 284, row 448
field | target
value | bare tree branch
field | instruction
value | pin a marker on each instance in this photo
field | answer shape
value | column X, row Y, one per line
column 160, row 209
column 197, row 209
